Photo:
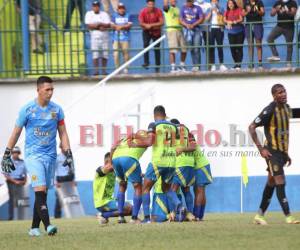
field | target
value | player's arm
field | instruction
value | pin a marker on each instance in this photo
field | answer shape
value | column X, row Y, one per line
column 107, row 168
column 7, row 164
column 263, row 151
column 138, row 140
column 262, row 120
column 14, row 137
column 190, row 148
column 65, row 142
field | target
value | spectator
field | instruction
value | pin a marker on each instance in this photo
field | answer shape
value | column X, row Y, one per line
column 18, row 177
column 121, row 24
column 174, row 33
column 35, row 21
column 191, row 16
column 98, row 22
column 114, row 4
column 62, row 175
column 72, row 4
column 285, row 11
column 151, row 21
column 216, row 34
column 297, row 19
column 233, row 17
column 206, row 9
column 254, row 11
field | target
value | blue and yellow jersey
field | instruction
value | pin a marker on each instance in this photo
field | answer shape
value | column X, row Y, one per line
column 164, row 146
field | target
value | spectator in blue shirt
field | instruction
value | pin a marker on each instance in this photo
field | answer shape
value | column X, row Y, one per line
column 191, row 16
column 121, row 24
column 17, row 177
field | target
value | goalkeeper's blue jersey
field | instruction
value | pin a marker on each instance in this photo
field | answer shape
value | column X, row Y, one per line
column 41, row 125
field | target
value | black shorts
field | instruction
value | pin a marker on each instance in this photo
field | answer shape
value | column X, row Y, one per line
column 276, row 162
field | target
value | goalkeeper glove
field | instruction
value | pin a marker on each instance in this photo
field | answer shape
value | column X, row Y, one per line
column 7, row 164
column 69, row 161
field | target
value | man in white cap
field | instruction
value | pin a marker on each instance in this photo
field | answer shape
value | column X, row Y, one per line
column 98, row 22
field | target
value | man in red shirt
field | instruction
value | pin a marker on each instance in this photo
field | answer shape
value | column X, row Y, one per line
column 151, row 21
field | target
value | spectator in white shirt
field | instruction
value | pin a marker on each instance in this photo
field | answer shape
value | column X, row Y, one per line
column 98, row 22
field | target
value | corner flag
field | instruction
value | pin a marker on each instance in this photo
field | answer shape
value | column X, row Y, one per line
column 244, row 170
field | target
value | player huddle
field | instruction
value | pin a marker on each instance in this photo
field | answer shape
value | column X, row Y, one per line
column 177, row 164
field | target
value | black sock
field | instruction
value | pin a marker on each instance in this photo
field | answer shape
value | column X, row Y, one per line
column 36, row 218
column 266, row 199
column 42, row 209
column 280, row 191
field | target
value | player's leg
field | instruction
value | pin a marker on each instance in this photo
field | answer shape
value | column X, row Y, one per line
column 267, row 195
column 168, row 177
column 188, row 197
column 108, row 210
column 202, row 179
column 119, row 168
column 95, row 54
column 281, row 196
column 121, row 200
column 38, row 173
column 133, row 173
column 200, row 202
column 160, row 209
column 152, row 174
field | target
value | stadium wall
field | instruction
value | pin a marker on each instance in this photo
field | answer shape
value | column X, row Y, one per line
column 218, row 110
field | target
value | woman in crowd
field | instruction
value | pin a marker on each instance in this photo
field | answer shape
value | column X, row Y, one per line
column 233, row 19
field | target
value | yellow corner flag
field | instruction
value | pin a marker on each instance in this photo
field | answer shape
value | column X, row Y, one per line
column 244, row 170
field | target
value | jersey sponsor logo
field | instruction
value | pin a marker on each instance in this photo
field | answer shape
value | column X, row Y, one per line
column 34, row 178
column 275, row 168
column 38, row 132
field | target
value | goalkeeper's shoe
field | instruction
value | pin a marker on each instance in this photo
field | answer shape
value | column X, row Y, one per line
column 291, row 220
column 260, row 220
column 34, row 232
column 190, row 217
column 121, row 220
column 51, row 230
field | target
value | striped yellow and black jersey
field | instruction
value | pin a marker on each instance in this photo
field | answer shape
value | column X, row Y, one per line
column 275, row 120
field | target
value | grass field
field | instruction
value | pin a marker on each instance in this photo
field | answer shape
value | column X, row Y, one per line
column 218, row 231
